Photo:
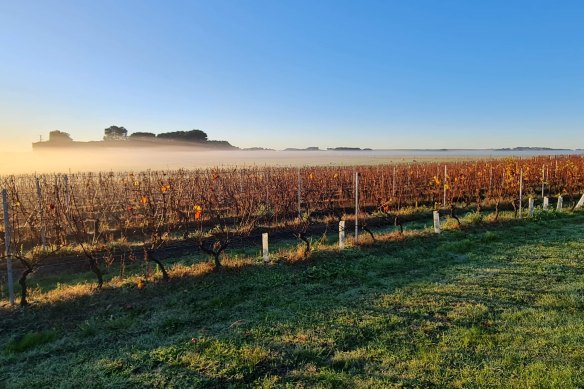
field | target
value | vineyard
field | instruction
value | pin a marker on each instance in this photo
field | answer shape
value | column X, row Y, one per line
column 107, row 216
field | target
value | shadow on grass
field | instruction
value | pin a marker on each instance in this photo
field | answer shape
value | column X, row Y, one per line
column 387, row 313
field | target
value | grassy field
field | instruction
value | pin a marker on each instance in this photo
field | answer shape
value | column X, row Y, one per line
column 491, row 304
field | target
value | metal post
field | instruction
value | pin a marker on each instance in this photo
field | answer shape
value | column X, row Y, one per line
column 41, row 213
column 542, row 181
column 393, row 186
column 299, row 194
column 521, row 194
column 66, row 181
column 7, row 248
column 356, row 206
column 491, row 182
column 445, row 175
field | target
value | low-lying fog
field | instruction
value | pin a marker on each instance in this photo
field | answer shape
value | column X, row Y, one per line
column 62, row 161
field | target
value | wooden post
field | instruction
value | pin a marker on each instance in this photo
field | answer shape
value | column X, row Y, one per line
column 342, row 234
column 531, row 207
column 521, row 193
column 580, row 203
column 356, row 206
column 546, row 203
column 560, row 204
column 41, row 213
column 7, row 248
column 265, row 248
column 436, row 215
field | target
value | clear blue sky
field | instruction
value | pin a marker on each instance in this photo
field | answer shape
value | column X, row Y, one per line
column 382, row 74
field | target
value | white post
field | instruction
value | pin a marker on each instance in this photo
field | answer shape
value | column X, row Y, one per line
column 356, row 206
column 580, row 203
column 560, row 204
column 546, row 203
column 445, row 175
column 342, row 234
column 265, row 248
column 531, row 207
column 437, row 222
column 521, row 194
column 7, row 249
column 41, row 213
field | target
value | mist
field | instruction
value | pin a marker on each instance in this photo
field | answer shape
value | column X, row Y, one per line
column 65, row 161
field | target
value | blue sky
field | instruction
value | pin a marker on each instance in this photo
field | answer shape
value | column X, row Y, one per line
column 381, row 74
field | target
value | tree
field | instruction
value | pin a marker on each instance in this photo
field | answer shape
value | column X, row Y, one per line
column 136, row 135
column 115, row 133
column 189, row 136
column 59, row 136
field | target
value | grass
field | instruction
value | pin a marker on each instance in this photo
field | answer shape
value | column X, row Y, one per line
column 488, row 305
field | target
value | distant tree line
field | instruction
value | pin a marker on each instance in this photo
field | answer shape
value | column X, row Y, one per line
column 118, row 133
column 115, row 133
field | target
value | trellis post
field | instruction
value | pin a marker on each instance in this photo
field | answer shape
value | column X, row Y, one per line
column 41, row 213
column 436, row 215
column 356, row 206
column 342, row 234
column 265, row 248
column 7, row 248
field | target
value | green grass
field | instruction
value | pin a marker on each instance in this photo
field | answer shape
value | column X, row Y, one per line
column 491, row 305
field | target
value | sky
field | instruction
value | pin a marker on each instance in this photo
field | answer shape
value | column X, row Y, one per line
column 380, row 74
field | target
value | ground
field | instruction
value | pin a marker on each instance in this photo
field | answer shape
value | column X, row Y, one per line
column 490, row 304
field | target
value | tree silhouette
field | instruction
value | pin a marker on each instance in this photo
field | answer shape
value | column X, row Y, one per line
column 59, row 137
column 115, row 133
column 189, row 136
column 142, row 135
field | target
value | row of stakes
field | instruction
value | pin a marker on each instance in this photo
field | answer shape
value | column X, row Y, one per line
column 436, row 215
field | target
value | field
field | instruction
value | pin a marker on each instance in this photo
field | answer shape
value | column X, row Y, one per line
column 484, row 304
column 155, row 278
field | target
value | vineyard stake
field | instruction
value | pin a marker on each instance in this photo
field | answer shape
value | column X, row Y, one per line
column 356, row 206
column 531, row 208
column 521, row 193
column 342, row 234
column 580, row 203
column 41, row 213
column 436, row 215
column 542, row 180
column 393, row 185
column 560, row 204
column 491, row 181
column 546, row 203
column 7, row 248
column 445, row 175
column 299, row 194
column 265, row 249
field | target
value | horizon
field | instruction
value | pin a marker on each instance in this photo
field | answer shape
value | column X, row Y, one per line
column 391, row 76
